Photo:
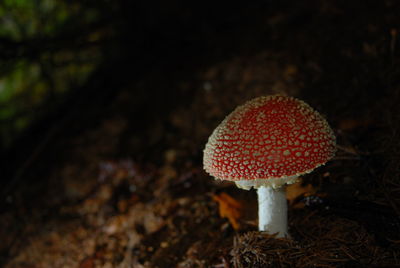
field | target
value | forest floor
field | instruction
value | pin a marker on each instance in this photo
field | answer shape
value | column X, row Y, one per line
column 130, row 189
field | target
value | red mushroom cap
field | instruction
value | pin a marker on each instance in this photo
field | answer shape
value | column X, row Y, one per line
column 269, row 138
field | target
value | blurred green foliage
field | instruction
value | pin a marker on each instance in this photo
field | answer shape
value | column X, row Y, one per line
column 20, row 19
column 47, row 49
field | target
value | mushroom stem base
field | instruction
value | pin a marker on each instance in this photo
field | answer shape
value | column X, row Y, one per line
column 272, row 211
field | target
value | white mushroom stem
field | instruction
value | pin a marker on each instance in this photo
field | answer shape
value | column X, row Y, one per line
column 272, row 210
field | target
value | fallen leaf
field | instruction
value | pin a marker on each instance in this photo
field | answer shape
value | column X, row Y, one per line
column 290, row 71
column 229, row 208
column 87, row 263
column 349, row 124
column 296, row 190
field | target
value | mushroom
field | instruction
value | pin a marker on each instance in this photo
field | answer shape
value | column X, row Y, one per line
column 267, row 143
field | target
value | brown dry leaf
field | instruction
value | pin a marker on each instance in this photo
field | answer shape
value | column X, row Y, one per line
column 295, row 190
column 349, row 124
column 229, row 208
column 87, row 263
column 290, row 71
column 116, row 224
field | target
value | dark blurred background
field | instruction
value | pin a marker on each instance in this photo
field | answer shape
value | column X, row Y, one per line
column 63, row 62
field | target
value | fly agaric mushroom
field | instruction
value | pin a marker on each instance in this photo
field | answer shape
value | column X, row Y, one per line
column 267, row 143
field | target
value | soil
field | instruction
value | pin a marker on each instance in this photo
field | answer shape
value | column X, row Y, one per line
column 127, row 188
